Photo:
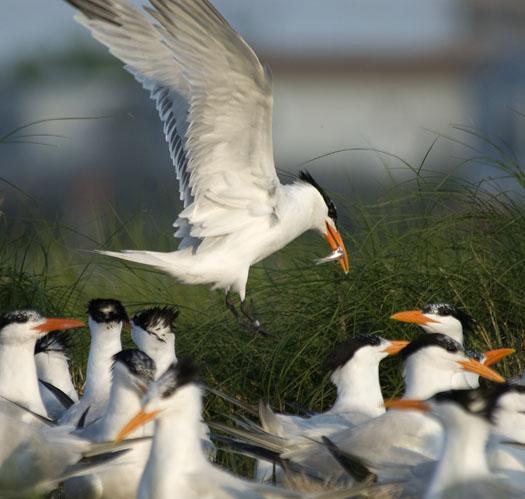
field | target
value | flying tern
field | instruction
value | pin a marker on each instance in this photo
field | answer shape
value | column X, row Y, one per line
column 215, row 99
column 19, row 332
column 105, row 319
column 52, row 366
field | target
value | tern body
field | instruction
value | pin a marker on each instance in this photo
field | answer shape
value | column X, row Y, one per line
column 132, row 372
column 52, row 365
column 215, row 100
column 105, row 320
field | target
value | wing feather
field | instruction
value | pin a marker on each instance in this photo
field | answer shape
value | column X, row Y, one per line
column 214, row 98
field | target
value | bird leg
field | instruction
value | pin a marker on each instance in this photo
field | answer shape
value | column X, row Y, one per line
column 246, row 320
column 255, row 325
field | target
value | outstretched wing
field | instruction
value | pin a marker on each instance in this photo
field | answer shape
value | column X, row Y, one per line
column 214, row 98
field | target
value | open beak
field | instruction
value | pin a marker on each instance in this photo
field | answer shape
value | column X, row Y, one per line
column 335, row 241
column 58, row 325
column 493, row 356
column 412, row 317
column 482, row 370
column 136, row 422
column 395, row 347
column 407, row 405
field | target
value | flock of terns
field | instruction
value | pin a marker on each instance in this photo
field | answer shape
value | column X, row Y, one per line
column 137, row 429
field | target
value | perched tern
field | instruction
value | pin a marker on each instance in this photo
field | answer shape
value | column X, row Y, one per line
column 152, row 330
column 355, row 373
column 105, row 319
column 391, row 444
column 463, row 470
column 177, row 465
column 133, row 372
column 439, row 318
column 215, row 100
column 19, row 332
column 52, row 367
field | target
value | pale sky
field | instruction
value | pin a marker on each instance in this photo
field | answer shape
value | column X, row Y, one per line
column 323, row 26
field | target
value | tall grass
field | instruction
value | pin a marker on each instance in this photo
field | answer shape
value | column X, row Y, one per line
column 432, row 237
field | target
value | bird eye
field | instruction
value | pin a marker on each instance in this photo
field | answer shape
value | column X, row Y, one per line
column 451, row 347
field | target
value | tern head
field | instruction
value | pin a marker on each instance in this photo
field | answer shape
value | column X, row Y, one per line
column 326, row 223
column 153, row 327
column 135, row 369
column 453, row 405
column 439, row 352
column 106, row 313
column 365, row 349
column 439, row 318
column 28, row 325
column 165, row 395
column 55, row 341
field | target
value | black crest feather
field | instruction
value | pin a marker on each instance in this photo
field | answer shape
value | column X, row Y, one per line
column 482, row 401
column 332, row 210
column 107, row 310
column 446, row 309
column 428, row 340
column 344, row 352
column 155, row 317
column 178, row 374
column 18, row 316
column 137, row 362
column 55, row 341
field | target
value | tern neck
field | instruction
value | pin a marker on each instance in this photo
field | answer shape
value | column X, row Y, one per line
column 123, row 402
column 358, row 388
column 463, row 456
column 163, row 354
column 177, row 440
column 18, row 378
column 105, row 343
column 423, row 379
column 53, row 367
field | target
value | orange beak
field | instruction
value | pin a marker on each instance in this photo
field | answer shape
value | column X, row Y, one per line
column 335, row 241
column 482, row 370
column 58, row 325
column 395, row 347
column 493, row 356
column 407, row 405
column 136, row 422
column 412, row 317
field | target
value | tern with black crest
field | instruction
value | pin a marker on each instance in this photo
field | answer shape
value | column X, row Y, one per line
column 106, row 317
column 52, row 365
column 215, row 99
column 19, row 332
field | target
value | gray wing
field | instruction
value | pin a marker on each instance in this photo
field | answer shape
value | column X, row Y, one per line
column 214, row 98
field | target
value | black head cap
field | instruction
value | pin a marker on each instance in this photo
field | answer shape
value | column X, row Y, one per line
column 332, row 210
column 445, row 309
column 344, row 352
column 429, row 340
column 19, row 316
column 55, row 341
column 177, row 375
column 156, row 317
column 107, row 310
column 137, row 363
column 481, row 401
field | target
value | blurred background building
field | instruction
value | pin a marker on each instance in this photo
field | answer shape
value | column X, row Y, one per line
column 348, row 74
